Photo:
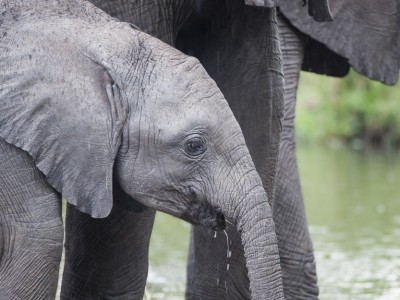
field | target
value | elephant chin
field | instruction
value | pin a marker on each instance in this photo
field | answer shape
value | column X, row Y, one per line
column 204, row 214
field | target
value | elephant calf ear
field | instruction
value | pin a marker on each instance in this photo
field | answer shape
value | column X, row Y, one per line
column 59, row 106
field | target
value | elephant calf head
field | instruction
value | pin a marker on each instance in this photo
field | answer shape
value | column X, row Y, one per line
column 186, row 149
column 94, row 101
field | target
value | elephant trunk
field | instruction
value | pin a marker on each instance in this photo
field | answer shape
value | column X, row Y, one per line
column 250, row 211
column 257, row 231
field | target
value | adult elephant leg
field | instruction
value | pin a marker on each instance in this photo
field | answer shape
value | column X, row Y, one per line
column 295, row 246
column 239, row 47
column 31, row 229
column 107, row 258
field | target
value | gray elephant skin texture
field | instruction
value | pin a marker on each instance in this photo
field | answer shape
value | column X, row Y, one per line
column 92, row 108
column 239, row 47
column 249, row 62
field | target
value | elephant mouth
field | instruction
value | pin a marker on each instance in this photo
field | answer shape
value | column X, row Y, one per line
column 204, row 214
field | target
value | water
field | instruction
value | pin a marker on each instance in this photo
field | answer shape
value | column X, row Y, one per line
column 353, row 208
column 168, row 255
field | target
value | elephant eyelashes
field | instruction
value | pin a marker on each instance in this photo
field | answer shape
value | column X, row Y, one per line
column 195, row 146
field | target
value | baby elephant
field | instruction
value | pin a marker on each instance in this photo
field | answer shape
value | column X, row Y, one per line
column 88, row 104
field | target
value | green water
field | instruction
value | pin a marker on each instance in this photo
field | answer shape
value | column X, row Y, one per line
column 353, row 207
column 168, row 255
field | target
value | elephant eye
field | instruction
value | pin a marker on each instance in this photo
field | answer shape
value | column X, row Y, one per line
column 195, row 146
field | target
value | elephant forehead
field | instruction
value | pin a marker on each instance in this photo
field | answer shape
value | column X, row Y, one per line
column 181, row 97
column 173, row 124
column 178, row 97
column 180, row 76
column 184, row 116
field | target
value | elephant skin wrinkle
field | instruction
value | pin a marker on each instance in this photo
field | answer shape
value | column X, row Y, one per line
column 88, row 101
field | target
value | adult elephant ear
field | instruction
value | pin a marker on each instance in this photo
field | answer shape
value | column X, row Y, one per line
column 62, row 107
column 364, row 33
column 317, row 9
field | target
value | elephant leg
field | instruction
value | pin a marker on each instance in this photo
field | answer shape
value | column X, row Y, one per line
column 107, row 258
column 31, row 229
column 295, row 246
column 238, row 45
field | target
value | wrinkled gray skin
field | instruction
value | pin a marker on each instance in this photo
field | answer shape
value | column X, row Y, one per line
column 238, row 46
column 92, row 109
column 295, row 245
column 255, row 45
column 347, row 42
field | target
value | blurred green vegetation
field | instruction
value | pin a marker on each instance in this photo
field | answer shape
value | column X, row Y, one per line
column 352, row 111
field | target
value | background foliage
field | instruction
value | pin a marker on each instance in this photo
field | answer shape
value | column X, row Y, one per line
column 352, row 111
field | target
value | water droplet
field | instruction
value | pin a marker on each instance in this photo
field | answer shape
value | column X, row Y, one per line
column 229, row 223
column 215, row 234
column 227, row 267
column 228, row 252
column 217, row 281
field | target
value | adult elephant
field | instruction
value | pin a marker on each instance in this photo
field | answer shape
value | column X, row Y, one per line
column 239, row 47
column 108, row 116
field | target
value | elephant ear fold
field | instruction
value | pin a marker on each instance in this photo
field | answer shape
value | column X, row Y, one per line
column 65, row 111
column 365, row 33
